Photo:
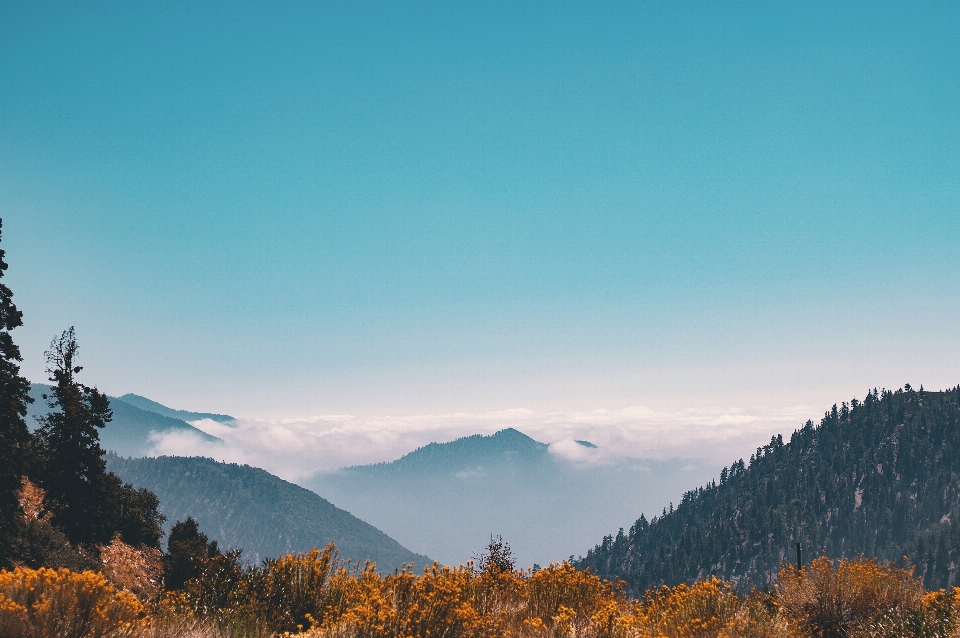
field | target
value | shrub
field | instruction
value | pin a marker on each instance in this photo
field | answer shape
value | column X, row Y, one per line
column 701, row 610
column 47, row 603
column 850, row 598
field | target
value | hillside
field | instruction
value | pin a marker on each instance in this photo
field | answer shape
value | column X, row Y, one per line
column 245, row 507
column 184, row 415
column 446, row 499
column 130, row 431
column 879, row 478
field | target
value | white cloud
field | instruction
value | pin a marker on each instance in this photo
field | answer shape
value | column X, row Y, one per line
column 297, row 448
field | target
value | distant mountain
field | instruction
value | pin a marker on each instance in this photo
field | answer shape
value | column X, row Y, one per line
column 130, row 431
column 245, row 507
column 446, row 499
column 152, row 406
column 880, row 478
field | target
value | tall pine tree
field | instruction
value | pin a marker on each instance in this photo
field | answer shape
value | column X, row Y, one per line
column 72, row 469
column 14, row 435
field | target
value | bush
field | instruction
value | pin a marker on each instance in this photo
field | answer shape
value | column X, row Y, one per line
column 47, row 603
column 850, row 598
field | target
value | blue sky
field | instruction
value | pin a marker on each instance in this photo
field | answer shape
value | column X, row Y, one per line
column 277, row 209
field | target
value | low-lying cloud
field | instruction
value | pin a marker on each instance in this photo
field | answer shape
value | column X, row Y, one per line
column 298, row 448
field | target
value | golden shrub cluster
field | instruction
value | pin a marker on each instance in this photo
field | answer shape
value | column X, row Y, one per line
column 48, row 603
column 314, row 596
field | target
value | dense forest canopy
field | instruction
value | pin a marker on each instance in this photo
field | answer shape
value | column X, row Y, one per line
column 878, row 477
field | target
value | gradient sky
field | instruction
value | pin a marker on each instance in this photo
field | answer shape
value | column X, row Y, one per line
column 285, row 209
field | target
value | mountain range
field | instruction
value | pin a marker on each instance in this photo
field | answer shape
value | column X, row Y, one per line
column 133, row 428
column 879, row 477
column 447, row 499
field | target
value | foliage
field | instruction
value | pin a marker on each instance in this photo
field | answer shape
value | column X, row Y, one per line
column 14, row 435
column 697, row 611
column 877, row 477
column 87, row 503
column 73, row 472
column 497, row 557
column 850, row 598
column 47, row 603
column 188, row 550
column 315, row 595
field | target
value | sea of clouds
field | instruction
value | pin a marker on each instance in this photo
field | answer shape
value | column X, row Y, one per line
column 298, row 448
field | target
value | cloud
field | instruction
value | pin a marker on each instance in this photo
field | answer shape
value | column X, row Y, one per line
column 295, row 449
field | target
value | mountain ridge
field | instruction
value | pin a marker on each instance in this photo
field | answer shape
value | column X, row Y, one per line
column 244, row 507
column 150, row 405
column 129, row 432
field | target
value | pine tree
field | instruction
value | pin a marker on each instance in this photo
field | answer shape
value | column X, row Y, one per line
column 14, row 435
column 72, row 469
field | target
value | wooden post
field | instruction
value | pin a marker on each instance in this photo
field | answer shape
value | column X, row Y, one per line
column 799, row 560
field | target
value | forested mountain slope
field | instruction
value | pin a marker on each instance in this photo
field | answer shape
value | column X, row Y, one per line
column 880, row 478
column 248, row 508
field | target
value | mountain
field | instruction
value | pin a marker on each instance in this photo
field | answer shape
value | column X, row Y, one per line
column 130, row 431
column 446, row 499
column 879, row 477
column 245, row 507
column 152, row 406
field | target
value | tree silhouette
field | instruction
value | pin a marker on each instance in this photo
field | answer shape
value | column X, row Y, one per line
column 498, row 557
column 73, row 471
column 14, row 435
column 188, row 550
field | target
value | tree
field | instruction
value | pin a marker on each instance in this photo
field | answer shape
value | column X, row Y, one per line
column 188, row 551
column 139, row 521
column 88, row 503
column 14, row 435
column 498, row 557
column 73, row 471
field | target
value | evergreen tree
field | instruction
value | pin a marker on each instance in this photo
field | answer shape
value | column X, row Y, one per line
column 14, row 435
column 188, row 551
column 72, row 469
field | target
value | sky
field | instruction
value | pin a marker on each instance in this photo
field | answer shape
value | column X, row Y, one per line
column 411, row 209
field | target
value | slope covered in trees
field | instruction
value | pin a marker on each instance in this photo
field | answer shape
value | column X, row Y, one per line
column 879, row 477
column 243, row 507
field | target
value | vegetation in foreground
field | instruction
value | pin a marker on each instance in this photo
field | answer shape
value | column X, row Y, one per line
column 315, row 596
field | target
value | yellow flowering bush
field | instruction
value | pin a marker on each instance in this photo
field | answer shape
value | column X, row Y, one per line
column 48, row 603
column 850, row 598
column 313, row 595
column 701, row 610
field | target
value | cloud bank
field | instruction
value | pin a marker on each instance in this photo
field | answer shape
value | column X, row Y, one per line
column 295, row 449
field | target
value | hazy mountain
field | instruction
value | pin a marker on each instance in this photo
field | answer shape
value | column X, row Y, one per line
column 447, row 499
column 245, row 507
column 152, row 406
column 128, row 434
column 881, row 478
